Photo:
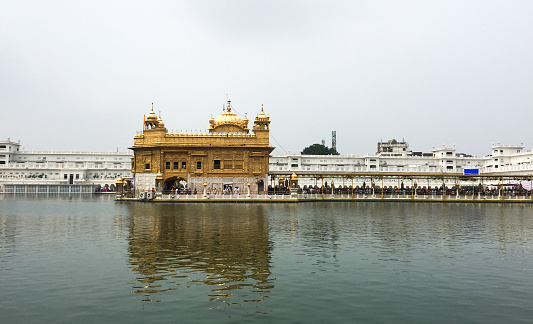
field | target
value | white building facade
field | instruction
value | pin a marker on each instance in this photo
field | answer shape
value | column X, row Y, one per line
column 101, row 169
column 398, row 158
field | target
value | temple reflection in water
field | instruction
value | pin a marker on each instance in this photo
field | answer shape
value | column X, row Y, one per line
column 174, row 247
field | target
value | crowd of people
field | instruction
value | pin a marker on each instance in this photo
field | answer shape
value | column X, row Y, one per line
column 183, row 191
column 105, row 188
column 508, row 190
column 228, row 190
column 372, row 189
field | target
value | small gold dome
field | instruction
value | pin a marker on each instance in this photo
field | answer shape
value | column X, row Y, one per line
column 152, row 116
column 261, row 116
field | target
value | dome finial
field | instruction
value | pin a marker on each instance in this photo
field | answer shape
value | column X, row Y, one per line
column 229, row 106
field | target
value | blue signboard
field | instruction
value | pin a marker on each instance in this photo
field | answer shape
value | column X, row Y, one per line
column 470, row 171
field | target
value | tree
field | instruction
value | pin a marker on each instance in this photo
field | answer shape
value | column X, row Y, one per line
column 319, row 149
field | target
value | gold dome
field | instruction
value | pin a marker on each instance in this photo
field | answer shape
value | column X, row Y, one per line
column 261, row 116
column 228, row 118
column 152, row 116
column 228, row 122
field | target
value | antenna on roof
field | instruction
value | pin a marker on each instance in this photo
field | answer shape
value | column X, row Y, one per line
column 334, row 140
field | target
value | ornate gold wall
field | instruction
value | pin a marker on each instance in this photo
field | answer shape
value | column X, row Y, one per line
column 228, row 151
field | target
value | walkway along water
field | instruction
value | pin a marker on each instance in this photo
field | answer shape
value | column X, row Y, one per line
column 365, row 187
column 298, row 198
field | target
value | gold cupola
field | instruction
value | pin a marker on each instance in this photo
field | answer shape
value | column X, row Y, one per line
column 151, row 120
column 160, row 122
column 152, row 117
column 228, row 122
column 261, row 121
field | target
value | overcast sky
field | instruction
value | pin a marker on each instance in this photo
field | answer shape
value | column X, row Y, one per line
column 79, row 76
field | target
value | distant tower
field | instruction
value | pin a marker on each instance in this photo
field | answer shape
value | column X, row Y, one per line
column 324, row 142
column 334, row 140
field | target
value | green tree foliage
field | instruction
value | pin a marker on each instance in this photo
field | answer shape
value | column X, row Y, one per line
column 319, row 149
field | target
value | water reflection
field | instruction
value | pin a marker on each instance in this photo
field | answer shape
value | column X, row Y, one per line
column 400, row 231
column 225, row 248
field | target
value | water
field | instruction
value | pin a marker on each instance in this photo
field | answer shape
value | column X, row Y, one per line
column 89, row 259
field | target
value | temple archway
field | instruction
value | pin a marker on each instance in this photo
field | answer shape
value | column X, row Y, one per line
column 174, row 183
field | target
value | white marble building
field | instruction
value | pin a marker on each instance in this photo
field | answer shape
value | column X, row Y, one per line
column 58, row 168
column 103, row 168
column 396, row 157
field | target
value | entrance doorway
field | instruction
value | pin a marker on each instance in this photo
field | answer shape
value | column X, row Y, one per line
column 171, row 184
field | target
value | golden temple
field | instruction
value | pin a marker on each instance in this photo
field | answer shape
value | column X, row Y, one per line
column 227, row 156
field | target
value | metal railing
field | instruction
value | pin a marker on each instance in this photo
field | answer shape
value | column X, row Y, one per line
column 401, row 196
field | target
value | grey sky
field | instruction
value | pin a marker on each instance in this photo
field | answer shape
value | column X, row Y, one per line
column 81, row 75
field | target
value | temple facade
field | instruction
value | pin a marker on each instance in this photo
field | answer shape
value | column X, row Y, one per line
column 228, row 156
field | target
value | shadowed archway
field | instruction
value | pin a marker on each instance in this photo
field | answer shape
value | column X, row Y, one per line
column 173, row 183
